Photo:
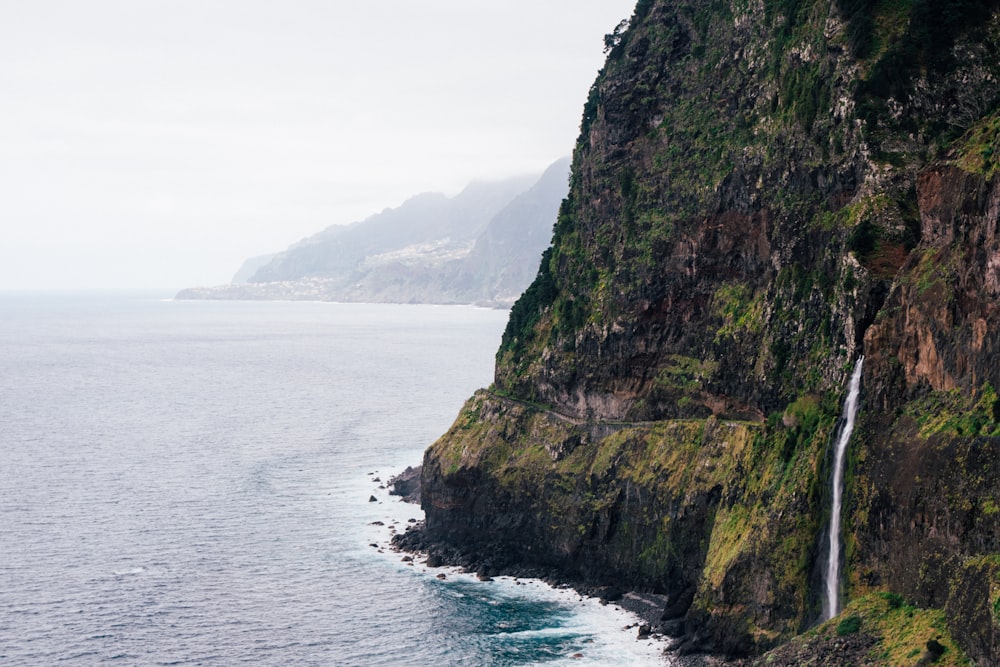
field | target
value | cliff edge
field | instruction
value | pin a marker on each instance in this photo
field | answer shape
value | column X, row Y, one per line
column 762, row 192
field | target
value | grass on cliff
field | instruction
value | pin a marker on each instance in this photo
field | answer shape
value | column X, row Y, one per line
column 952, row 413
column 905, row 634
column 878, row 629
column 979, row 150
column 764, row 478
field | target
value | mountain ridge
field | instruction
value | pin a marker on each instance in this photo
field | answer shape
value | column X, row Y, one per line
column 480, row 246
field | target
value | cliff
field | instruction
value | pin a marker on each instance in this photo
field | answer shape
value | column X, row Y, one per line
column 481, row 246
column 761, row 193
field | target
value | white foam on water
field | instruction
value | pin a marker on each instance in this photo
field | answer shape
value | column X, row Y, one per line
column 605, row 634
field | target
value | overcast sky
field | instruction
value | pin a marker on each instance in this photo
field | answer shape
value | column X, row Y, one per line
column 158, row 143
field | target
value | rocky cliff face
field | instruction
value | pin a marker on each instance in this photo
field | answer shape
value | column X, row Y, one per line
column 762, row 192
column 926, row 519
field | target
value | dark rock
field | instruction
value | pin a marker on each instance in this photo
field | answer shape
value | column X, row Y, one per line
column 406, row 485
column 372, row 499
column 674, row 628
column 678, row 605
column 821, row 650
column 610, row 593
column 935, row 649
column 748, row 215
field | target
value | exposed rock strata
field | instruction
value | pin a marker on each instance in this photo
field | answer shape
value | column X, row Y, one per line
column 762, row 191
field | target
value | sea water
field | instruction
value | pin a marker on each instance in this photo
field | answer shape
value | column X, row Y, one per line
column 189, row 483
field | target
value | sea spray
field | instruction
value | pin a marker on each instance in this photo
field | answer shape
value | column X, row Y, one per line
column 831, row 604
column 513, row 621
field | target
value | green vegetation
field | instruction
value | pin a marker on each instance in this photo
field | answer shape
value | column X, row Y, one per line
column 934, row 270
column 806, row 92
column 727, row 243
column 925, row 44
column 979, row 150
column 849, row 625
column 931, row 30
column 956, row 413
column 527, row 311
column 741, row 312
column 614, row 39
column 863, row 240
column 898, row 633
column 684, row 373
column 680, row 459
column 786, row 16
column 894, row 600
column 883, row 230
column 666, row 463
column 591, row 106
column 903, row 630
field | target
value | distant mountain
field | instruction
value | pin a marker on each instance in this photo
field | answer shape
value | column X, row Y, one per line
column 481, row 246
column 505, row 257
column 250, row 267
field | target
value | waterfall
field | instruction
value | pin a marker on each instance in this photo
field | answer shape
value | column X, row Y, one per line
column 831, row 604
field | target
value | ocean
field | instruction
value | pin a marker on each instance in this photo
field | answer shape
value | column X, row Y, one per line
column 189, row 483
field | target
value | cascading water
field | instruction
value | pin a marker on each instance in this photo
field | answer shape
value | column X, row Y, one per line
column 831, row 604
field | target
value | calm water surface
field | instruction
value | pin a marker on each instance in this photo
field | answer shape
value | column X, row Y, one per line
column 187, row 483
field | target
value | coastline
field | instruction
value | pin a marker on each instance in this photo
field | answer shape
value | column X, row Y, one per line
column 645, row 608
column 643, row 613
column 619, row 621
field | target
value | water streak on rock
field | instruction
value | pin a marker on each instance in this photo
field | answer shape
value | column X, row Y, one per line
column 831, row 604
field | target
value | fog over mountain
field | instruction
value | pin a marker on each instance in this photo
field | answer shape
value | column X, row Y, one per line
column 250, row 267
column 481, row 246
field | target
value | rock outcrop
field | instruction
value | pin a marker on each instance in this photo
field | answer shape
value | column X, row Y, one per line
column 762, row 192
